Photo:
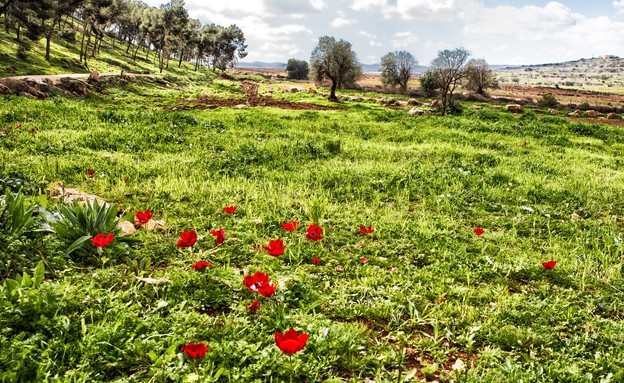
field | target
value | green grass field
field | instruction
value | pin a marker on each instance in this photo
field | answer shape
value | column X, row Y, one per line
column 430, row 292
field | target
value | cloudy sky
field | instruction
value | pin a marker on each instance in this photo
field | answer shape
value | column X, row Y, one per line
column 501, row 31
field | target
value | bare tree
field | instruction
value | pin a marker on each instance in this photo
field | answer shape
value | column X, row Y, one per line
column 397, row 68
column 479, row 76
column 335, row 61
column 448, row 69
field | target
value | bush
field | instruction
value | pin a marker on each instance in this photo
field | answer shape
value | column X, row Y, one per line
column 429, row 84
column 548, row 100
column 297, row 69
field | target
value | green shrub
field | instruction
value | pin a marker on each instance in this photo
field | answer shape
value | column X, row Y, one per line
column 80, row 222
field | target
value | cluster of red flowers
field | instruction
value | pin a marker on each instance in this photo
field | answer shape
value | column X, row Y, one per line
column 260, row 283
column 8, row 129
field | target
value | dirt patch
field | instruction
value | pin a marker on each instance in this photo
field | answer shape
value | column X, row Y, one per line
column 268, row 101
column 598, row 121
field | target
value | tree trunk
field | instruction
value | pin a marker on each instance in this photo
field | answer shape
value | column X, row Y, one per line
column 332, row 92
column 18, row 32
column 181, row 56
column 82, row 43
column 48, row 40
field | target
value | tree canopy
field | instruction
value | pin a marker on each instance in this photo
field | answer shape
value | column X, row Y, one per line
column 335, row 61
column 397, row 68
column 448, row 68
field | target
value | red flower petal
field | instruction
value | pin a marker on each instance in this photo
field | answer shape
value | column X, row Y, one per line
column 290, row 226
column 314, row 233
column 187, row 239
column 479, row 231
column 549, row 265
column 315, row 260
column 219, row 236
column 195, row 350
column 364, row 230
column 101, row 240
column 276, row 247
column 291, row 342
column 143, row 217
column 229, row 209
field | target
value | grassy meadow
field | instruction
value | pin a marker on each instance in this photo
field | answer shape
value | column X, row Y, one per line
column 422, row 298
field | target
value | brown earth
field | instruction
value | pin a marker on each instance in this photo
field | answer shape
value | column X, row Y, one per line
column 211, row 103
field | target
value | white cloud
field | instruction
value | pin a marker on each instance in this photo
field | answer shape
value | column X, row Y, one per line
column 526, row 23
column 402, row 40
column 619, row 7
column 369, row 5
column 417, row 9
column 340, row 22
column 368, row 35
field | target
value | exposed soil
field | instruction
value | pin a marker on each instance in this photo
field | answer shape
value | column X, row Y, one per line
column 211, row 103
column 564, row 96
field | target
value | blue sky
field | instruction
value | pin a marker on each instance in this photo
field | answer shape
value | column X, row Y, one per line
column 500, row 31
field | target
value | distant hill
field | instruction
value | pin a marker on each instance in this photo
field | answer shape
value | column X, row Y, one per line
column 261, row 65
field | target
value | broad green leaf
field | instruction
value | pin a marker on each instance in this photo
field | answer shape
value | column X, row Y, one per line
column 77, row 244
column 39, row 273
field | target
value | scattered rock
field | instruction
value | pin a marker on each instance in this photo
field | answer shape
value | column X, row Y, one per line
column 576, row 113
column 75, row 86
column 94, row 77
column 311, row 91
column 554, row 112
column 575, row 216
column 413, row 101
column 152, row 225
column 476, row 107
column 590, row 113
column 127, row 228
column 613, row 116
column 416, row 112
column 152, row 281
column 514, row 108
column 5, row 89
column 68, row 195
column 294, row 90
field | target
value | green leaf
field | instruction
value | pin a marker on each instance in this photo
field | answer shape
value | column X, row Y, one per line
column 26, row 280
column 39, row 273
column 77, row 244
column 10, row 285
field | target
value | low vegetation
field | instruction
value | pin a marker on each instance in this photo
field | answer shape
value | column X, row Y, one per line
column 434, row 264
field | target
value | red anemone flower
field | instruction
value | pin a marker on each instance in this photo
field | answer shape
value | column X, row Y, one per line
column 187, row 239
column 5, row 133
column 290, row 226
column 202, row 266
column 276, row 247
column 91, row 172
column 253, row 306
column 315, row 260
column 101, row 240
column 393, row 269
column 229, row 209
column 314, row 233
column 364, row 259
column 32, row 130
column 291, row 342
column 195, row 350
column 18, row 125
column 143, row 217
column 260, row 283
column 549, row 265
column 479, row 231
column 267, row 290
column 125, row 180
column 364, row 230
column 219, row 235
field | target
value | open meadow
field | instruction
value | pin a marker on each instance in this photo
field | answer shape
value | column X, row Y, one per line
column 432, row 261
